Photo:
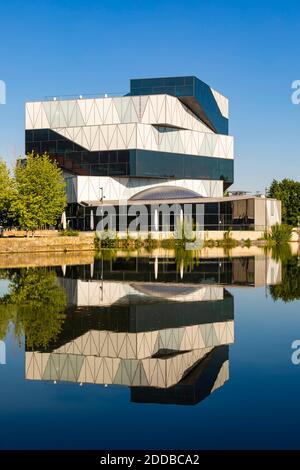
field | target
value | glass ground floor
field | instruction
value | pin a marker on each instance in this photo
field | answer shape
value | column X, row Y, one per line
column 222, row 215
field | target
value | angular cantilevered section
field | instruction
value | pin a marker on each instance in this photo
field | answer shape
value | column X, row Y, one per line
column 205, row 102
column 204, row 378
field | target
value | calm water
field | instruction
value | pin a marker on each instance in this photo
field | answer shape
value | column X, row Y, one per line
column 153, row 352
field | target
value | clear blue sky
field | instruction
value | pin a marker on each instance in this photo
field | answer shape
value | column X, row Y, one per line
column 246, row 49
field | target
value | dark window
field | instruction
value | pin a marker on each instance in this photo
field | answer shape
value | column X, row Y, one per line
column 104, row 157
column 64, row 145
column 123, row 157
column 212, row 208
column 29, row 136
column 48, row 146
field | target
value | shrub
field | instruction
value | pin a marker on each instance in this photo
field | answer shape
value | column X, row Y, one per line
column 228, row 241
column 279, row 234
column 150, row 242
column 69, row 233
column 247, row 242
column 107, row 239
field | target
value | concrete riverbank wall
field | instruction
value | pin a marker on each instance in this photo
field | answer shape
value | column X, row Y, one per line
column 48, row 244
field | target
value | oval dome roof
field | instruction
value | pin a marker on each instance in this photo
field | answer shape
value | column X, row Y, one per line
column 164, row 192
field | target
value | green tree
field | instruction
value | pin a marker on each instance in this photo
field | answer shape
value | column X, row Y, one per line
column 288, row 192
column 6, row 190
column 40, row 192
column 39, row 303
column 7, row 313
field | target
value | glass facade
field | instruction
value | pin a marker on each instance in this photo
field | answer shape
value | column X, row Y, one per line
column 176, row 86
column 76, row 159
column 231, row 215
column 196, row 94
column 174, row 165
column 138, row 163
column 215, row 270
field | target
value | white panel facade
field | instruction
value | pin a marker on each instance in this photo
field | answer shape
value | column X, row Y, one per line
column 147, row 137
column 222, row 103
column 89, row 188
column 111, row 343
column 273, row 212
column 152, row 109
column 105, row 293
column 126, row 358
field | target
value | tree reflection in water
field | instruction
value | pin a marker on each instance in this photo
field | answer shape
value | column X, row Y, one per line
column 36, row 305
column 289, row 289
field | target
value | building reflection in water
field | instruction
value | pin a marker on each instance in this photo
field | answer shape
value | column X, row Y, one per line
column 145, row 324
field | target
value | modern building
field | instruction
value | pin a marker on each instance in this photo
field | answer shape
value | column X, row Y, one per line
column 149, row 323
column 168, row 342
column 165, row 141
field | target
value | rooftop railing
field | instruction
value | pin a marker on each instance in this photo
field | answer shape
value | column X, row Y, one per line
column 83, row 96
